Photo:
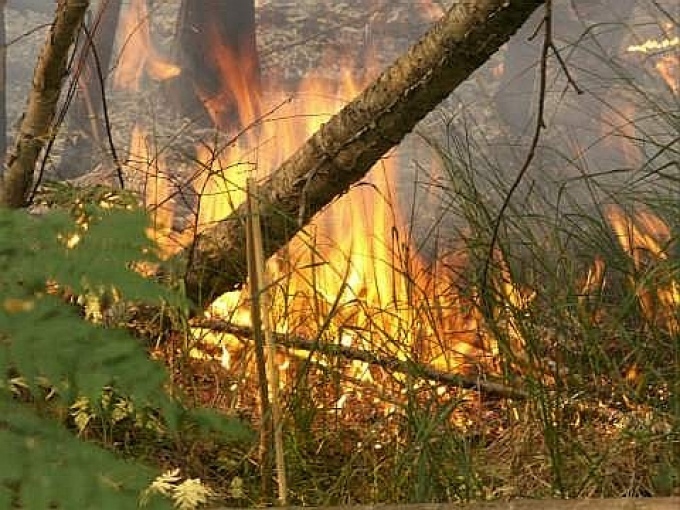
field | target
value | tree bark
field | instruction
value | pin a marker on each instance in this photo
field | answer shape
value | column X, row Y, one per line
column 3, row 86
column 85, row 123
column 36, row 126
column 343, row 150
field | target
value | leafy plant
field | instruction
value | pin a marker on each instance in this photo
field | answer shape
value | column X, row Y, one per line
column 46, row 344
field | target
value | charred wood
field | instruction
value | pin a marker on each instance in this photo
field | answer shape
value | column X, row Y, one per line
column 217, row 52
column 488, row 387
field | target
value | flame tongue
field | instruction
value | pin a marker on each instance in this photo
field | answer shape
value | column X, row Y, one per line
column 647, row 239
column 138, row 55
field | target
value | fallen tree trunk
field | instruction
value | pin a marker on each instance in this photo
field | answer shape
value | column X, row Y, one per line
column 345, row 148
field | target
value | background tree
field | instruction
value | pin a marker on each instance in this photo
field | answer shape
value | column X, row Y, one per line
column 3, row 86
column 216, row 49
column 38, row 121
column 87, row 130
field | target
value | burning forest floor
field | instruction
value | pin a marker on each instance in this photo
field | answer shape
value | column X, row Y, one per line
column 416, row 363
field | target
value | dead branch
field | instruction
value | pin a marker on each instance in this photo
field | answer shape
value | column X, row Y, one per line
column 352, row 141
column 387, row 362
column 36, row 125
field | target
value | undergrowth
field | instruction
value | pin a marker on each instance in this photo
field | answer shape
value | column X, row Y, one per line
column 65, row 380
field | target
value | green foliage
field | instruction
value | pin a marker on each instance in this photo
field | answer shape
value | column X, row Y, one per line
column 44, row 466
column 45, row 342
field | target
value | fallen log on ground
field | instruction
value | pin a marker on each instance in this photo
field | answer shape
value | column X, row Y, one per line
column 344, row 149
column 479, row 383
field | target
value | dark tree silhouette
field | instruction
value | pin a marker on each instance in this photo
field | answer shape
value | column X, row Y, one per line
column 87, row 128
column 217, row 52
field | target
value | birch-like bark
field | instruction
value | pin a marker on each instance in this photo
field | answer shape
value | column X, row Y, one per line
column 36, row 125
column 3, row 85
column 343, row 150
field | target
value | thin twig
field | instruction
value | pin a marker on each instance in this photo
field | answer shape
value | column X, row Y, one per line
column 540, row 126
column 266, row 428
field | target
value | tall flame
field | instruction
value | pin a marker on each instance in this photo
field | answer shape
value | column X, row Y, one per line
column 353, row 271
column 646, row 238
column 137, row 54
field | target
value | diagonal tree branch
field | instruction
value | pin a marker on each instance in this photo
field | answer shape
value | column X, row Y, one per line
column 345, row 148
column 49, row 76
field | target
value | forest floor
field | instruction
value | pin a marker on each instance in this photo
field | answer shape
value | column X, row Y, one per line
column 599, row 416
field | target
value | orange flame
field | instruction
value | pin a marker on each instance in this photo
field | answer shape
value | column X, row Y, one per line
column 353, row 272
column 137, row 54
column 237, row 73
column 646, row 238
column 667, row 61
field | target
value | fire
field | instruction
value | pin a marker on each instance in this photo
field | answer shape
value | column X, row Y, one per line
column 653, row 45
column 666, row 60
column 352, row 267
column 353, row 275
column 137, row 54
column 235, row 91
column 647, row 240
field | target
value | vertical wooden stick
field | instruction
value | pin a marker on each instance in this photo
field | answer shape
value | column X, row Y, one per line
column 266, row 467
column 264, row 305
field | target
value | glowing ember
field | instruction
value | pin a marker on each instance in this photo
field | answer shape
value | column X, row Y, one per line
column 653, row 45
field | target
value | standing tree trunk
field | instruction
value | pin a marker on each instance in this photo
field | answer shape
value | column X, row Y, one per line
column 3, row 86
column 217, row 51
column 86, row 125
column 36, row 127
column 351, row 142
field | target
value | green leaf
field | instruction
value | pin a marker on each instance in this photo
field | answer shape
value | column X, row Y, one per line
column 61, row 470
column 43, row 337
column 229, row 429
